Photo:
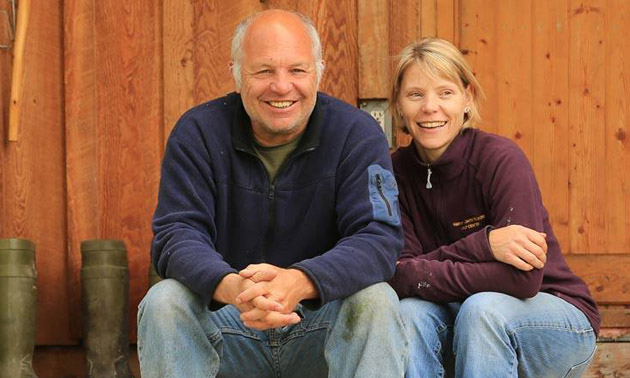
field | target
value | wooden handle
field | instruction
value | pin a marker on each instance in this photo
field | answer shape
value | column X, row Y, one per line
column 17, row 90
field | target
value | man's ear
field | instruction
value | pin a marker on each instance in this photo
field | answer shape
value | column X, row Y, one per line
column 231, row 70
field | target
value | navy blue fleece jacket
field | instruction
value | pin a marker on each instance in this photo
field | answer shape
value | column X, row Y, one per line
column 332, row 210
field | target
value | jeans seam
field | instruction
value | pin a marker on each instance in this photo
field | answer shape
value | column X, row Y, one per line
column 554, row 327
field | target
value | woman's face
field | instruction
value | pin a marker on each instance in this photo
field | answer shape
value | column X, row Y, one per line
column 432, row 109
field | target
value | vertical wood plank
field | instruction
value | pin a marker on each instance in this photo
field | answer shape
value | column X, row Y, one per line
column 34, row 173
column 337, row 25
column 5, row 90
column 513, row 66
column 617, row 130
column 550, row 87
column 213, row 35
column 428, row 23
column 447, row 22
column 373, row 44
column 81, row 142
column 129, row 118
column 405, row 21
column 587, row 141
column 179, row 70
column 478, row 42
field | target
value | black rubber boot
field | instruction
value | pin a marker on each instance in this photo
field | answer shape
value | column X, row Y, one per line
column 18, row 307
column 105, row 298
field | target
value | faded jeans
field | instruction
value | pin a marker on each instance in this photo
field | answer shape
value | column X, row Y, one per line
column 360, row 336
column 497, row 335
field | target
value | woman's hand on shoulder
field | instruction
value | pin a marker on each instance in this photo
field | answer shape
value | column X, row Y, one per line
column 519, row 246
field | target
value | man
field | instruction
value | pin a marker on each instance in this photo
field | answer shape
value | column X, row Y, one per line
column 294, row 189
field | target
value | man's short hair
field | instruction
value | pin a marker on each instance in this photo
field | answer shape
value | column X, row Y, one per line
column 237, row 51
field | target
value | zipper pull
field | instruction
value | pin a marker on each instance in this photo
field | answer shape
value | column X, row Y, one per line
column 429, row 185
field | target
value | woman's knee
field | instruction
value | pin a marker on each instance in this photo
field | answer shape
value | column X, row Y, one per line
column 482, row 311
column 425, row 313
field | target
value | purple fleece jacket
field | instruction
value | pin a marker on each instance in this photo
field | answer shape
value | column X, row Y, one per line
column 482, row 181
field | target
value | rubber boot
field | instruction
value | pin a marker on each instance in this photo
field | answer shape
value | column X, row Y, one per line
column 153, row 276
column 105, row 299
column 18, row 307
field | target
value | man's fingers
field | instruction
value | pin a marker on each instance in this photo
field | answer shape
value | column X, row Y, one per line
column 252, row 292
column 273, row 320
column 267, row 304
column 263, row 275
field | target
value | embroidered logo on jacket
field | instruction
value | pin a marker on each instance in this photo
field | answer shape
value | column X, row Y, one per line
column 469, row 223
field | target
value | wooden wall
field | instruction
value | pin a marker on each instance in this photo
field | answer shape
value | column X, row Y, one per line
column 107, row 80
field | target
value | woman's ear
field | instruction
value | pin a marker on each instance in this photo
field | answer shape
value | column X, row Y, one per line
column 469, row 91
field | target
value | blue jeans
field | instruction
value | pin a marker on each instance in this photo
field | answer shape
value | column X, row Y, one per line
column 497, row 335
column 360, row 336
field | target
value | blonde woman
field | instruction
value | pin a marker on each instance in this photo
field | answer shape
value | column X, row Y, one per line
column 482, row 273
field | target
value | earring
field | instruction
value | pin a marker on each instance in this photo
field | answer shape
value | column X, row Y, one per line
column 467, row 110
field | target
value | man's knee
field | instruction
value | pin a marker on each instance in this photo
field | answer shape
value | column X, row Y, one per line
column 376, row 301
column 166, row 299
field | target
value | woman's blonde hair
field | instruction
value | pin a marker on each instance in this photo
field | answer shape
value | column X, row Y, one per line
column 439, row 59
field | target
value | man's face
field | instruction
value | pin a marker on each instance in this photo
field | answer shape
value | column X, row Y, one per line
column 279, row 83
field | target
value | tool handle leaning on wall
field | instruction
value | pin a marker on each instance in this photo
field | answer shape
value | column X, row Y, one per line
column 17, row 77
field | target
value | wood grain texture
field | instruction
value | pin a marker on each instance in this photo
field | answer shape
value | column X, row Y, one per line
column 447, row 20
column 373, row 40
column 214, row 25
column 479, row 41
column 81, row 142
column 337, row 25
column 549, row 96
column 606, row 275
column 405, row 22
column 587, row 123
column 617, row 129
column 5, row 92
column 128, row 57
column 615, row 316
column 33, row 204
column 428, row 18
column 612, row 360
column 178, row 56
column 514, row 73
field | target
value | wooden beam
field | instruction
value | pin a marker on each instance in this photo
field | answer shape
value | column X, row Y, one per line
column 606, row 275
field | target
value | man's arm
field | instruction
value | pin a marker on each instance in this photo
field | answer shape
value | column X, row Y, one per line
column 368, row 220
column 183, row 223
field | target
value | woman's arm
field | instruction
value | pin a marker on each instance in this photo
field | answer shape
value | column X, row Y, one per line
column 498, row 258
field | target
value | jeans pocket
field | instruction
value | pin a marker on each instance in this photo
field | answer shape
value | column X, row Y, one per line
column 579, row 369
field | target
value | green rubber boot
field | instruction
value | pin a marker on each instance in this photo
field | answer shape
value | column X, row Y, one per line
column 18, row 307
column 105, row 299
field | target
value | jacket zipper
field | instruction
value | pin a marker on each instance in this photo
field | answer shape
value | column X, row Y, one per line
column 429, row 172
column 379, row 187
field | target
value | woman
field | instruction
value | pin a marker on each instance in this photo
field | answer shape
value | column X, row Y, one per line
column 481, row 272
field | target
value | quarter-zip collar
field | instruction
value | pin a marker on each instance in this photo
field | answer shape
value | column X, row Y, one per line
column 452, row 162
column 242, row 134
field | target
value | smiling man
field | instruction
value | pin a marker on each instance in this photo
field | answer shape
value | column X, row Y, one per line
column 277, row 223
